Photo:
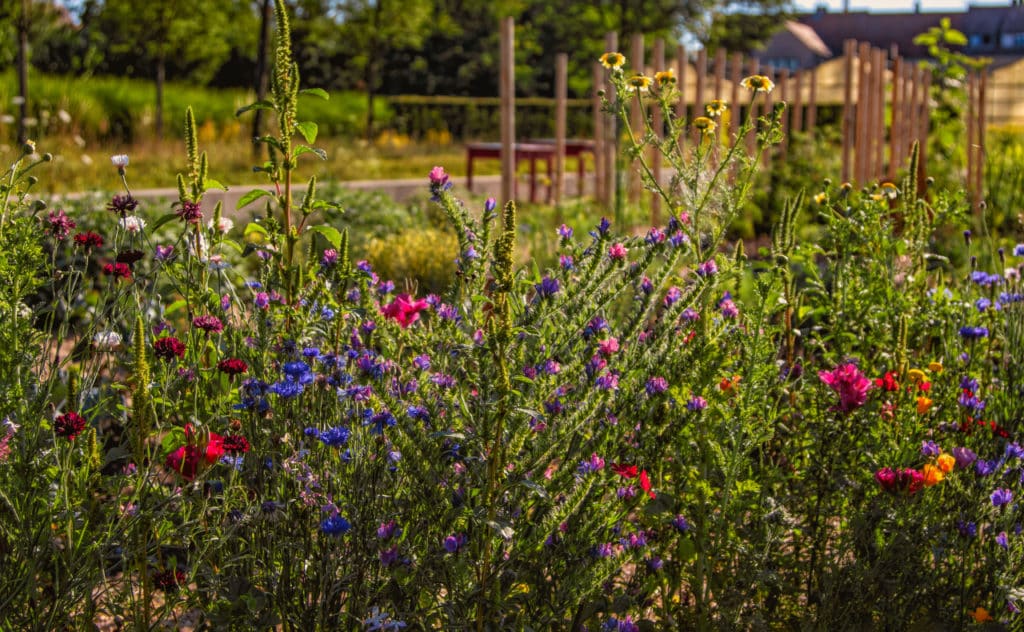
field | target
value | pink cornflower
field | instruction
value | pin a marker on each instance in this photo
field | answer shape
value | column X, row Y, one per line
column 849, row 383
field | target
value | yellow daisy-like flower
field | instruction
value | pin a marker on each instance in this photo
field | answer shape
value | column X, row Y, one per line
column 665, row 77
column 935, row 367
column 915, row 375
column 716, row 108
column 821, row 198
column 846, row 187
column 639, row 83
column 758, row 83
column 890, row 191
column 705, row 125
column 613, row 61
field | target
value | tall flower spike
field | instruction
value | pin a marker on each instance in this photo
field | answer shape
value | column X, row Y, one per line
column 140, row 393
column 191, row 144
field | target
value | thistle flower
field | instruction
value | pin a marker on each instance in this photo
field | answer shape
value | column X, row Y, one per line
column 758, row 83
column 613, row 61
column 120, row 161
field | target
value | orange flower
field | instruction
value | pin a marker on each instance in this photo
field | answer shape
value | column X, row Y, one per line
column 923, row 404
column 932, row 475
column 946, row 462
column 980, row 615
column 729, row 383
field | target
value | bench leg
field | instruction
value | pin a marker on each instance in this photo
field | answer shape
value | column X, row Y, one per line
column 469, row 172
column 581, row 168
column 551, row 179
column 533, row 180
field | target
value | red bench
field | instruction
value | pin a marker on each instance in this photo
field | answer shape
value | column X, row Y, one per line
column 534, row 150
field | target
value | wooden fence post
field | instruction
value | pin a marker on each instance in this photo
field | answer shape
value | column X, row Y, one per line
column 611, row 134
column 599, row 139
column 784, row 96
column 863, row 94
column 561, row 96
column 849, row 46
column 878, row 131
column 658, row 62
column 897, row 116
column 735, row 111
column 979, row 171
column 754, row 68
column 700, row 72
column 797, row 115
column 507, row 91
column 812, row 103
column 636, row 112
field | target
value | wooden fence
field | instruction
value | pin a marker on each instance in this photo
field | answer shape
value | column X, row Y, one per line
column 883, row 103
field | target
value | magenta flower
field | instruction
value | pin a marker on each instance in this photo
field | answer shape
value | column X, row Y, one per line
column 851, row 385
column 438, row 176
column 405, row 310
column 617, row 252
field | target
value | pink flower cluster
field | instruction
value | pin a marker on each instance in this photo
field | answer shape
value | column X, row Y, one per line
column 849, row 383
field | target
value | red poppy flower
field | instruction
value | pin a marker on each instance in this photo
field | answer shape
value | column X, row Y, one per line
column 624, row 470
column 645, row 483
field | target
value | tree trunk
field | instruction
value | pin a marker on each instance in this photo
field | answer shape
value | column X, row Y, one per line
column 161, row 71
column 371, row 67
column 261, row 76
column 23, row 71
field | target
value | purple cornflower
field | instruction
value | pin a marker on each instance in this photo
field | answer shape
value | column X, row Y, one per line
column 696, row 404
column 1002, row 541
column 655, row 236
column 565, row 232
column 690, row 315
column 329, row 258
column 656, row 385
column 566, row 262
column 595, row 326
column 620, row 625
column 490, row 204
column 1014, row 451
column 1001, row 497
column 678, row 239
column 967, row 529
column 262, row 300
column 225, row 302
column 422, row 362
column 672, row 295
column 646, row 286
column 442, row 380
column 971, row 402
column 1018, row 250
column 930, row 448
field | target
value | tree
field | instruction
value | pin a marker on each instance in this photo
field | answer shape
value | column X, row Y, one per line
column 148, row 35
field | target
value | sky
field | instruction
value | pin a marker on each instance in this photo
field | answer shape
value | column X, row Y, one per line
column 892, row 5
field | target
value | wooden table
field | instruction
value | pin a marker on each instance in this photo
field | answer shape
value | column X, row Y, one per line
column 524, row 151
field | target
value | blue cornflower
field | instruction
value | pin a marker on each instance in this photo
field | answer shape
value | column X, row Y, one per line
column 286, row 388
column 335, row 525
column 295, row 369
column 381, row 420
column 973, row 333
column 681, row 524
column 335, row 437
column 1018, row 250
column 604, row 226
column 454, row 543
column 418, row 412
column 967, row 529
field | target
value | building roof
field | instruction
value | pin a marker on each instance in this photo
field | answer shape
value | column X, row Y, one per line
column 882, row 30
column 809, row 38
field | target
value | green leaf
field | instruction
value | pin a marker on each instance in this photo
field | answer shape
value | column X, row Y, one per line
column 232, row 244
column 316, row 92
column 251, row 197
column 330, row 233
column 253, row 227
column 173, row 440
column 215, row 184
column 265, row 104
column 305, row 149
column 175, row 306
column 160, row 222
column 308, row 130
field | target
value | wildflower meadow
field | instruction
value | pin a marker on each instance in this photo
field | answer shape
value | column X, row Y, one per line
column 230, row 425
